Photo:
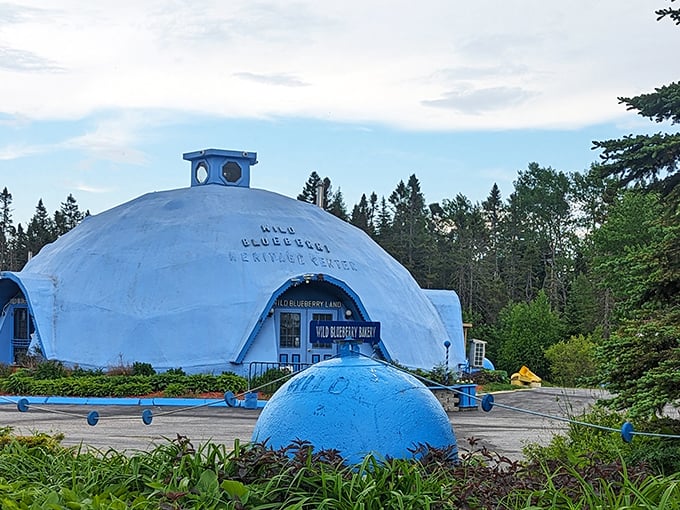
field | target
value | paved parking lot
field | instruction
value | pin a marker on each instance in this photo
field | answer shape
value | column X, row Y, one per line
column 121, row 427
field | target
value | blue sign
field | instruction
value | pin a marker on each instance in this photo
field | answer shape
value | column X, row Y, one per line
column 326, row 332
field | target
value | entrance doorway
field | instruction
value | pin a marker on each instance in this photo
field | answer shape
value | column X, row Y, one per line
column 292, row 325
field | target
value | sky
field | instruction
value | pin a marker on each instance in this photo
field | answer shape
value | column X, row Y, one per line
column 101, row 99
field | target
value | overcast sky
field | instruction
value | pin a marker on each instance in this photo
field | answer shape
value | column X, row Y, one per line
column 100, row 99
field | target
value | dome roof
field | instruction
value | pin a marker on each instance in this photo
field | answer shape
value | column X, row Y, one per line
column 358, row 406
column 186, row 278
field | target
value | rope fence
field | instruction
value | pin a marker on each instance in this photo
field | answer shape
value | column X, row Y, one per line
column 487, row 403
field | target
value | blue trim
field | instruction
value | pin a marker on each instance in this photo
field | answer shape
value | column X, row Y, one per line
column 14, row 278
column 112, row 401
column 296, row 280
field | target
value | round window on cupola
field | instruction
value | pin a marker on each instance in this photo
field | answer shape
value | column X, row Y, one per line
column 201, row 172
column 231, row 171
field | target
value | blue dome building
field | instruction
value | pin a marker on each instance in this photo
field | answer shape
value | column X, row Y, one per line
column 215, row 277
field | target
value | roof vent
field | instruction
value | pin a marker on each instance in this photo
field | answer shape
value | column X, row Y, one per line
column 217, row 166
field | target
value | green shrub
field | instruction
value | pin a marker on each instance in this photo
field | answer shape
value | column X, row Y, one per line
column 572, row 362
column 175, row 390
column 86, row 372
column 486, row 377
column 5, row 370
column 228, row 381
column 41, row 440
column 200, row 383
column 660, row 454
column 271, row 380
column 19, row 383
column 85, row 383
column 50, row 369
column 139, row 368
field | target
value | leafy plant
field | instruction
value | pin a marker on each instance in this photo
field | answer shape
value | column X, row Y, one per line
column 139, row 368
column 175, row 390
column 270, row 381
column 50, row 369
column 572, row 361
column 525, row 331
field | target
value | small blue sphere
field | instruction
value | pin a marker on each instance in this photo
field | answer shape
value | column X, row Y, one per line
column 358, row 406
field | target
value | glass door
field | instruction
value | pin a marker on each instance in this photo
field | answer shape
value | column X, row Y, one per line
column 318, row 352
column 289, row 333
column 292, row 327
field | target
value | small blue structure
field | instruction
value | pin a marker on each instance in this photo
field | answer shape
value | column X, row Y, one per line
column 216, row 277
column 358, row 406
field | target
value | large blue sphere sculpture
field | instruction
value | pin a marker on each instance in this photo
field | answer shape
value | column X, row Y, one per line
column 357, row 406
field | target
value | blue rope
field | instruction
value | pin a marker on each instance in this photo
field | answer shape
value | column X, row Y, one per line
column 627, row 431
column 487, row 401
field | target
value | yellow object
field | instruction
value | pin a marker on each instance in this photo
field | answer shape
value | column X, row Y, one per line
column 525, row 377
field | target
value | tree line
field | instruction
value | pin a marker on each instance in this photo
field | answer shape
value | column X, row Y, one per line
column 576, row 275
column 18, row 244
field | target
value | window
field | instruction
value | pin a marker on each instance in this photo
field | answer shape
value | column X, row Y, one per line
column 322, row 317
column 21, row 323
column 289, row 330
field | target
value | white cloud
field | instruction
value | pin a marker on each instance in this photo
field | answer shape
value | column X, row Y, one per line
column 475, row 102
column 104, row 145
column 114, row 139
column 80, row 186
column 285, row 80
column 443, row 65
column 19, row 60
column 10, row 152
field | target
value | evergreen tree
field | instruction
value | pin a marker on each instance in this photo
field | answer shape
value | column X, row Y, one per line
column 360, row 215
column 640, row 362
column 372, row 211
column 410, row 240
column 492, row 210
column 309, row 191
column 583, row 313
column 7, row 231
column 68, row 216
column 19, row 249
column 465, row 256
column 337, row 206
column 383, row 225
column 41, row 229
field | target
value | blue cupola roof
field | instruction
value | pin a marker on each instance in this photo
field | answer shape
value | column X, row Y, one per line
column 218, row 166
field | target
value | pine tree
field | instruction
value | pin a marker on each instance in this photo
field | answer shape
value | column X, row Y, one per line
column 41, row 229
column 492, row 210
column 337, row 206
column 19, row 249
column 68, row 216
column 383, row 227
column 409, row 233
column 7, row 231
column 641, row 360
column 360, row 215
column 309, row 191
